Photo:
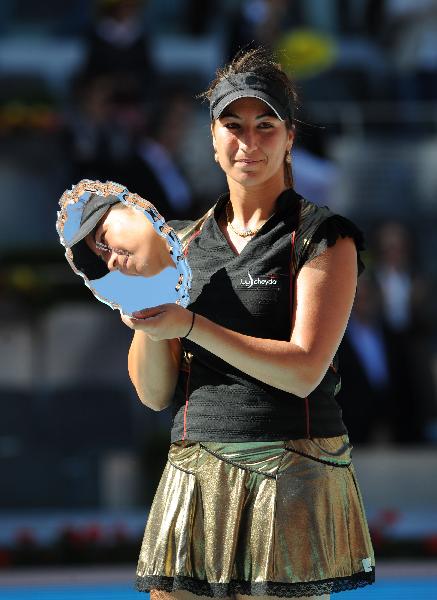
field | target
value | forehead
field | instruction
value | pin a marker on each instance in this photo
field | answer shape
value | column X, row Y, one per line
column 248, row 106
column 123, row 219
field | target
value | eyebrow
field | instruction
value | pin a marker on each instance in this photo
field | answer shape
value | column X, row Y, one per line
column 235, row 116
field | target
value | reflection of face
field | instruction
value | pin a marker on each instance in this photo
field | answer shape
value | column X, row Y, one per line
column 251, row 142
column 134, row 247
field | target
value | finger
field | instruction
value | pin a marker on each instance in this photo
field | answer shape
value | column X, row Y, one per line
column 127, row 320
column 146, row 322
column 134, row 323
column 147, row 312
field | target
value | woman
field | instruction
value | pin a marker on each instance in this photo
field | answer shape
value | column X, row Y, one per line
column 259, row 495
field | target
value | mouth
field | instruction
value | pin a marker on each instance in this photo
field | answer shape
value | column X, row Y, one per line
column 247, row 161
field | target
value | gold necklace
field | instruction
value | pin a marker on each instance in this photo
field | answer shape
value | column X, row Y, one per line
column 241, row 233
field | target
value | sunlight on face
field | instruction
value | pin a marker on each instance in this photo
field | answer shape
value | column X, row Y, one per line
column 126, row 240
column 251, row 142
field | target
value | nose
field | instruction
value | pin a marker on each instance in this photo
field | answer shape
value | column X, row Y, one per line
column 249, row 141
column 112, row 262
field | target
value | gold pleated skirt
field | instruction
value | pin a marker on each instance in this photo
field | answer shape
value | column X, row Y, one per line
column 280, row 518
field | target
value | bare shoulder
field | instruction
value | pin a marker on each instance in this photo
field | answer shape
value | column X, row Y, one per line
column 331, row 277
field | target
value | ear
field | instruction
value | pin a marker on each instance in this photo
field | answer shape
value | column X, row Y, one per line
column 290, row 138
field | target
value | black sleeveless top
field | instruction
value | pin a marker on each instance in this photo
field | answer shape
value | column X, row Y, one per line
column 251, row 293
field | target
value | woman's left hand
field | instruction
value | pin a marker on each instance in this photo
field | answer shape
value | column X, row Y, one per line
column 162, row 322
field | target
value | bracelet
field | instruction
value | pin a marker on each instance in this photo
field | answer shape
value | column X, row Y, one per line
column 192, row 323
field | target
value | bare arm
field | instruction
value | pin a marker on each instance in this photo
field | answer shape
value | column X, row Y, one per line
column 324, row 293
column 153, row 368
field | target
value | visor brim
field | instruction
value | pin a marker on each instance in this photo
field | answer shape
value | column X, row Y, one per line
column 89, row 225
column 237, row 94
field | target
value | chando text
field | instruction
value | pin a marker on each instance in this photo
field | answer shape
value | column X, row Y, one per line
column 250, row 281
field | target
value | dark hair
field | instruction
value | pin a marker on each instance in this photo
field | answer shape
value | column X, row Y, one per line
column 263, row 62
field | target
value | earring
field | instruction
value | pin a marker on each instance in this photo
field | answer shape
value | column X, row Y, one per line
column 288, row 158
column 216, row 158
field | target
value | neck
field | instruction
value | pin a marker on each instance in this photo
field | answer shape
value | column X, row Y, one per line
column 255, row 203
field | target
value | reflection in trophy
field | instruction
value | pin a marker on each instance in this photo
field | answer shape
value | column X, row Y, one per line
column 121, row 246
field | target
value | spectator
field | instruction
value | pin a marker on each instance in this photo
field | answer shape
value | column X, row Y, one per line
column 385, row 355
column 153, row 170
column 407, row 309
column 367, row 363
column 260, row 22
column 97, row 142
column 117, row 44
column 412, row 33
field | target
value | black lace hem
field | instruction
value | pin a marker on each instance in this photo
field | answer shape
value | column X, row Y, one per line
column 259, row 588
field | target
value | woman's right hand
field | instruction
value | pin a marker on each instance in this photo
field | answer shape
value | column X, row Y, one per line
column 163, row 322
column 132, row 323
column 139, row 324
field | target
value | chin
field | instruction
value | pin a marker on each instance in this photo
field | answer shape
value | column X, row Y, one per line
column 249, row 179
column 145, row 271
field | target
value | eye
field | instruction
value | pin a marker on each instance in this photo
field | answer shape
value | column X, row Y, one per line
column 101, row 246
column 231, row 125
column 266, row 125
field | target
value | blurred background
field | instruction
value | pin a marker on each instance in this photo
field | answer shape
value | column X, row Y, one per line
column 106, row 89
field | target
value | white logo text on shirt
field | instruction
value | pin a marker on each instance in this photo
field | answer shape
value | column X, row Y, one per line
column 260, row 281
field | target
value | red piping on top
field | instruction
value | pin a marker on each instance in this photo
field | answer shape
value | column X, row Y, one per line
column 307, row 409
column 293, row 236
column 187, row 394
